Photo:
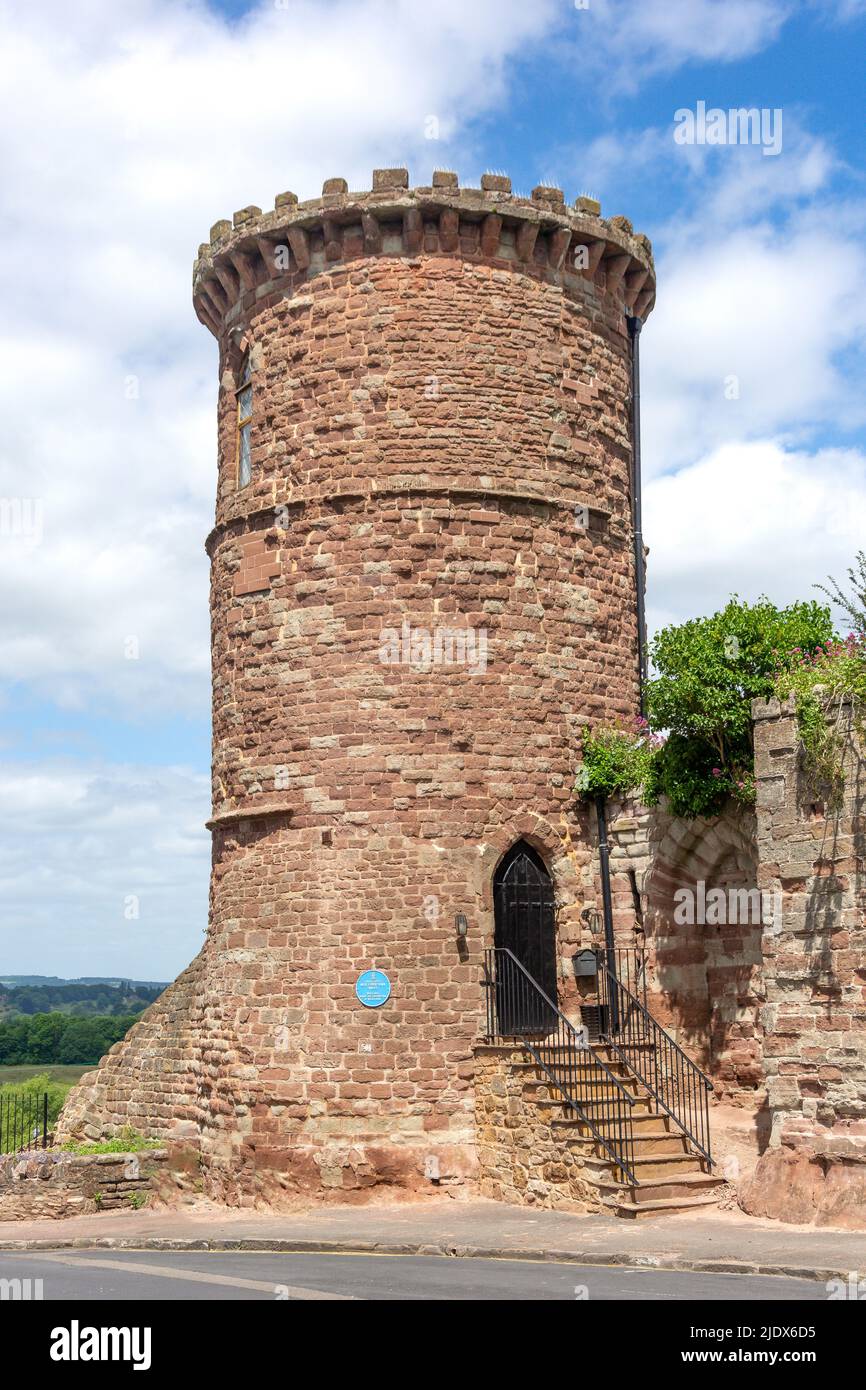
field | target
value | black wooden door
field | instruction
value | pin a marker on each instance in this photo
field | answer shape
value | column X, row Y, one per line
column 525, row 923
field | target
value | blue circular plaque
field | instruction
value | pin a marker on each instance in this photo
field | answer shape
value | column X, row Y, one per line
column 373, row 988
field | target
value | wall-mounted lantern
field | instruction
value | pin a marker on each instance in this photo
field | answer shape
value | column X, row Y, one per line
column 592, row 918
column 461, row 926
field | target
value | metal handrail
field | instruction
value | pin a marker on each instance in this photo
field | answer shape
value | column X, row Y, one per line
column 23, row 1121
column 628, row 964
column 517, row 1007
column 675, row 1082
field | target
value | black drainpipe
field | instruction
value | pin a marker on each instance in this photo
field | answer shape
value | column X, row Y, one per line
column 634, row 325
column 634, row 328
column 606, row 992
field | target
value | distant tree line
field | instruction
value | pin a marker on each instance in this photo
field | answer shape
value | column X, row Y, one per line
column 83, row 1000
column 60, row 1038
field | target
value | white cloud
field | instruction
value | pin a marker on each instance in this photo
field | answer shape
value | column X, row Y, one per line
column 633, row 39
column 761, row 290
column 844, row 10
column 749, row 370
column 752, row 519
column 83, row 847
column 748, row 338
column 699, row 29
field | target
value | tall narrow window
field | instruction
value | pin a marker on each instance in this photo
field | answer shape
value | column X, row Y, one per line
column 244, row 396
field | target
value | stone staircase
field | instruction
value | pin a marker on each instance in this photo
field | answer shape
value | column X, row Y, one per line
column 671, row 1176
column 563, row 1120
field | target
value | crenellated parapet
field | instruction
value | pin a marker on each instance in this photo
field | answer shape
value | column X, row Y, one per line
column 260, row 253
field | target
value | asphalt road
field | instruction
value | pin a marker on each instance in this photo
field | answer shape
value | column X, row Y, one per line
column 144, row 1276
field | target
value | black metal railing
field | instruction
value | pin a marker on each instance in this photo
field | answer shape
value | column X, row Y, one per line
column 518, row 1009
column 676, row 1083
column 23, row 1121
column 628, row 964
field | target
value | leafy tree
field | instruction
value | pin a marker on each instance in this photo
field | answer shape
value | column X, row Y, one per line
column 708, row 671
column 44, row 1036
column 60, row 1038
column 853, row 604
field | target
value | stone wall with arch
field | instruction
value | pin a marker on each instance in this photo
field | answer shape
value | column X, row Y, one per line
column 705, row 975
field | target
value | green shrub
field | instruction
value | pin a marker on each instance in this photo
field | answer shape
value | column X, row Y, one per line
column 616, row 760
column 127, row 1142
column 708, row 672
column 825, row 684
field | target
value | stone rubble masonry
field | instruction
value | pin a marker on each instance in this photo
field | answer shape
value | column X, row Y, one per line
column 440, row 438
column 522, row 1158
column 53, row 1183
column 814, row 1018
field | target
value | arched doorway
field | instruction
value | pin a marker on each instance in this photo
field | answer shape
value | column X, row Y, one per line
column 525, row 924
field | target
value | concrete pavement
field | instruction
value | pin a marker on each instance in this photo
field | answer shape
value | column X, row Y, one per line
column 719, row 1242
column 144, row 1276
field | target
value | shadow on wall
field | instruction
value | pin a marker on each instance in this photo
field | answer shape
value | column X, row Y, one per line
column 705, row 974
column 838, row 877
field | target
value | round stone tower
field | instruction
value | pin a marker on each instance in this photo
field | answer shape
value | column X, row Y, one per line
column 423, row 589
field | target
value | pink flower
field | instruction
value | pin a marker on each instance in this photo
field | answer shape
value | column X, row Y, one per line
column 717, row 772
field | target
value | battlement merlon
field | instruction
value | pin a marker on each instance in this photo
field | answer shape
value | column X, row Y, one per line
column 247, row 258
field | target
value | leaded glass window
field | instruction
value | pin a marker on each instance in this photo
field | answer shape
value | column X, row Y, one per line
column 244, row 395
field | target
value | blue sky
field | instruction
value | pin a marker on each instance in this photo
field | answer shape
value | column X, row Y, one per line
column 127, row 130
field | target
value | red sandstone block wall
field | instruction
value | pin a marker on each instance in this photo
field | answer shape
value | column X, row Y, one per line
column 440, row 439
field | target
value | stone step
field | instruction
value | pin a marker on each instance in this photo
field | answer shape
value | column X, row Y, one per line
column 664, row 1166
column 651, row 1142
column 588, row 1083
column 630, row 1212
column 652, row 1189
column 534, row 1071
column 598, row 1111
column 613, row 1103
column 594, row 1095
column 668, row 1175
column 642, row 1119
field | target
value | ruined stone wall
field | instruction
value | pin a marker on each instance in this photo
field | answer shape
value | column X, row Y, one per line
column 704, row 977
column 440, row 439
column 814, row 1018
column 48, row 1183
